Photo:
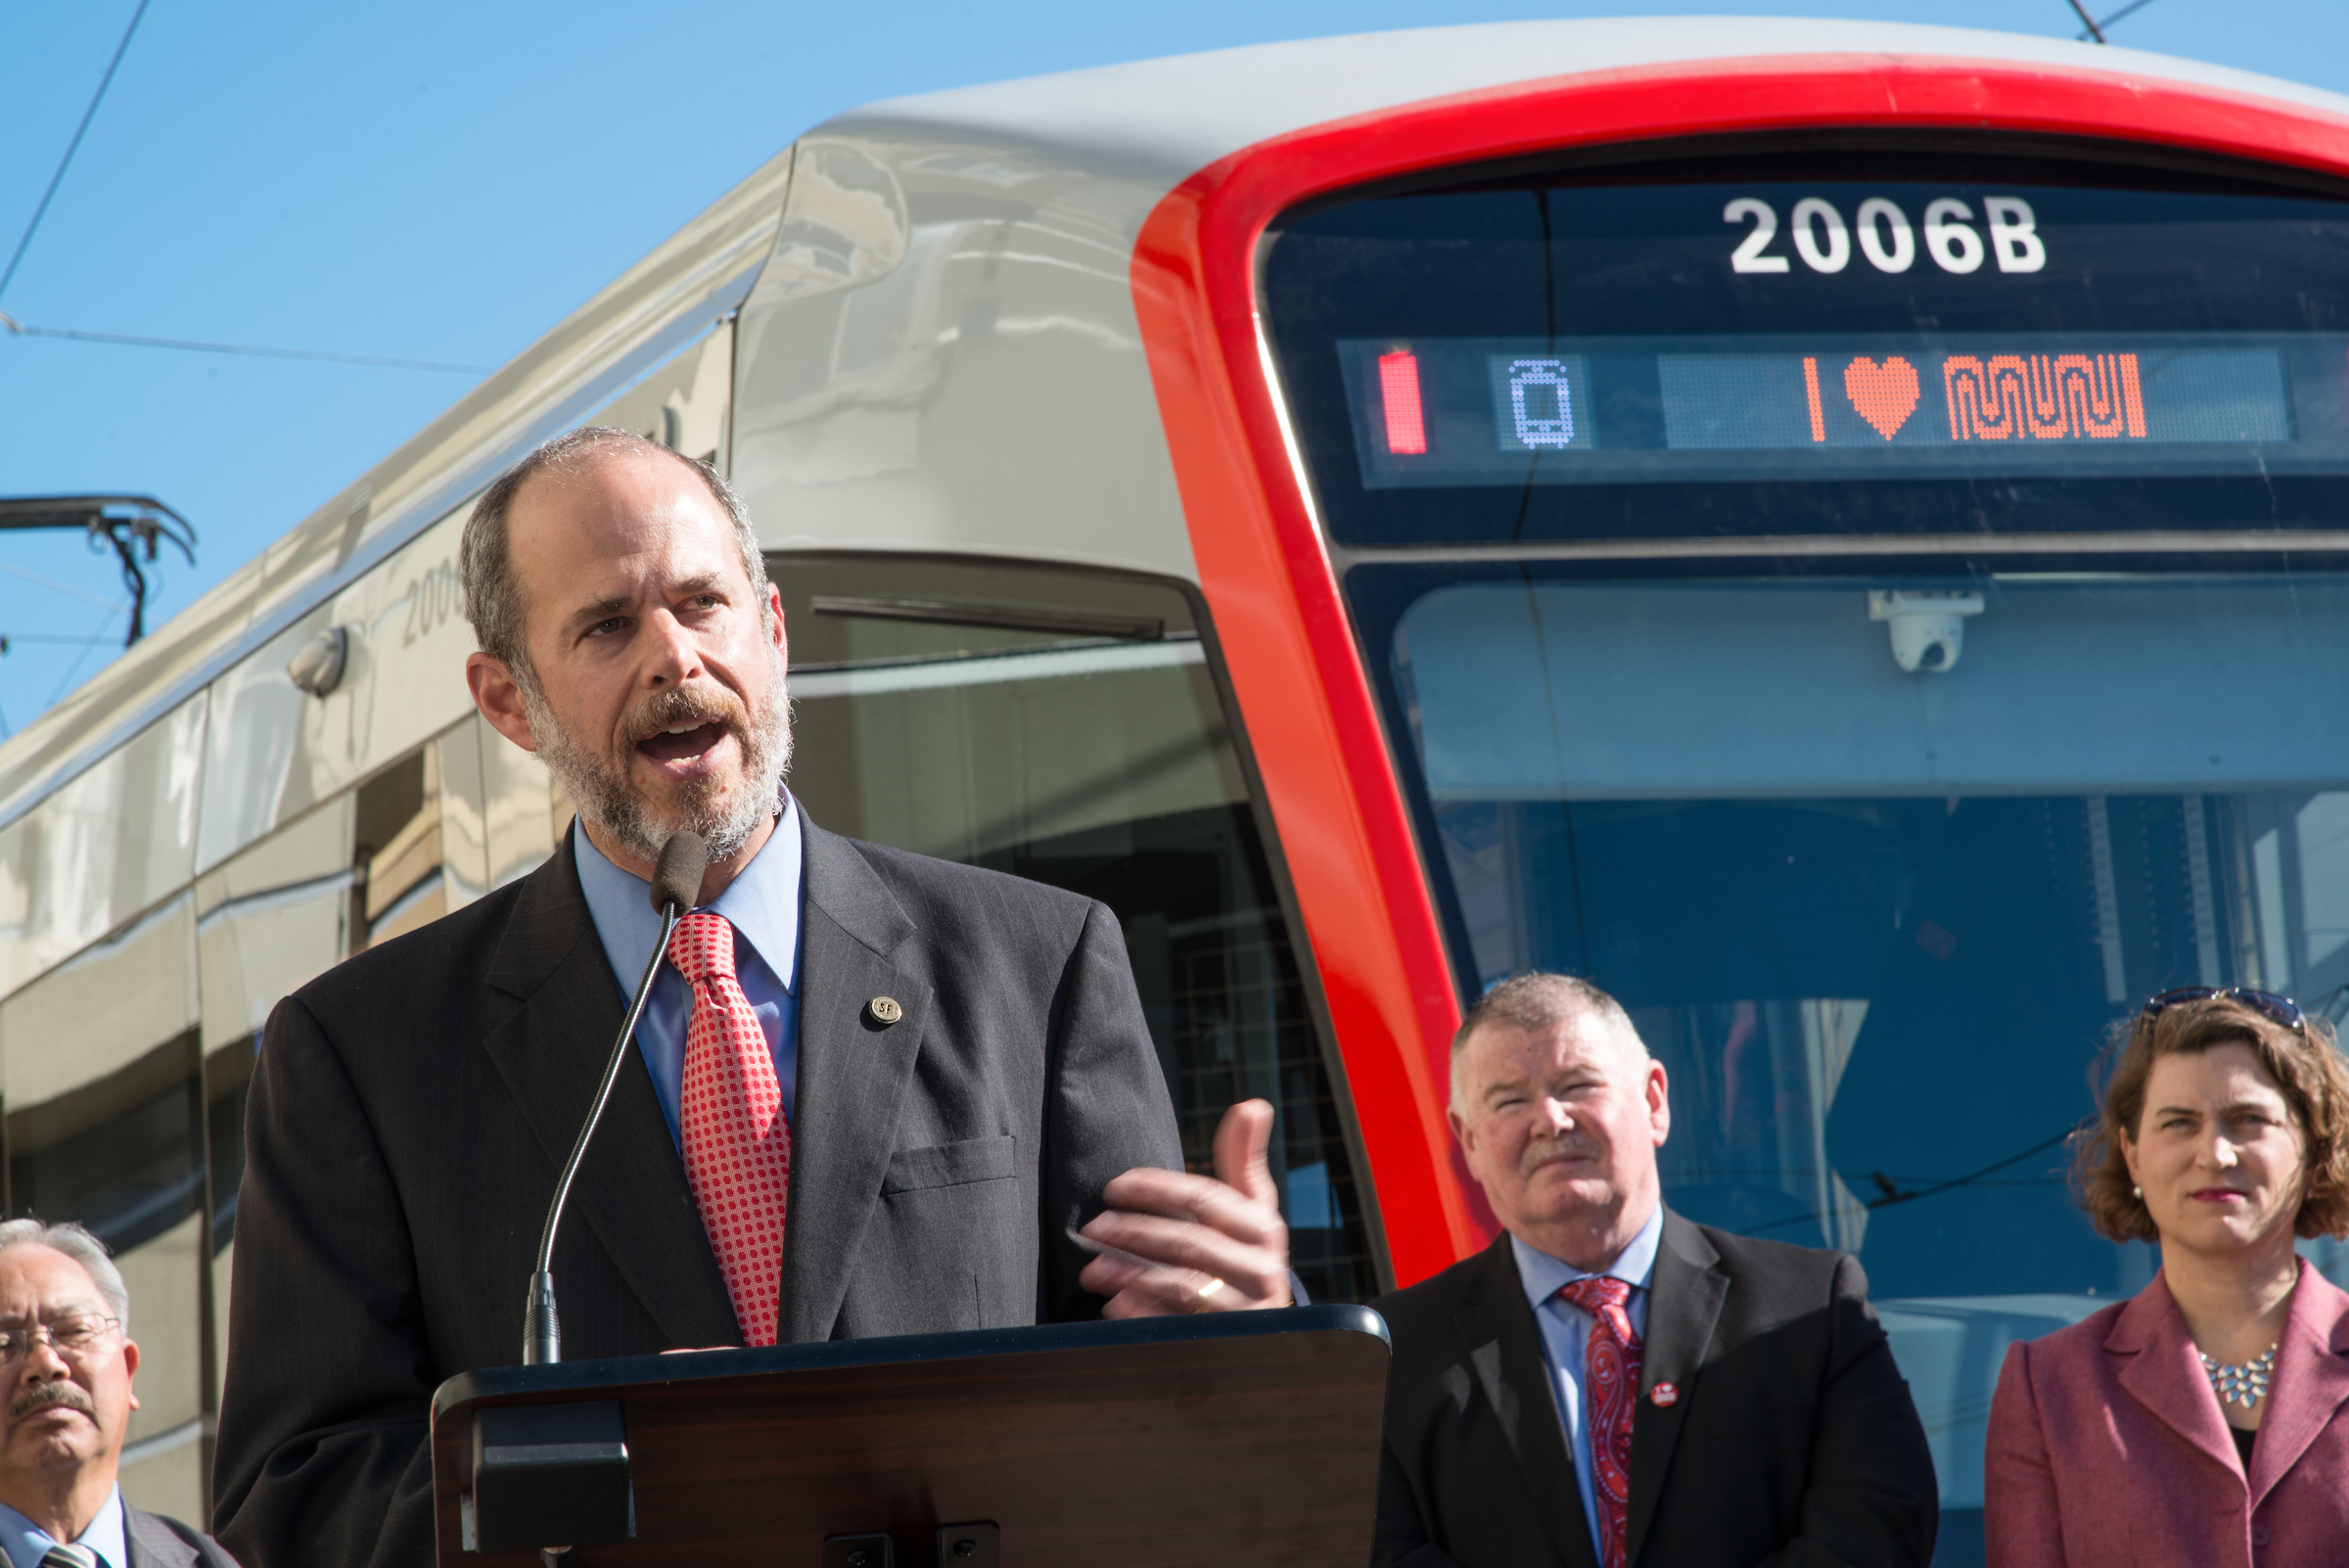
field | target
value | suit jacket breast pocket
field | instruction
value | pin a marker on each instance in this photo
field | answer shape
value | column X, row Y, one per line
column 957, row 1239
column 951, row 1164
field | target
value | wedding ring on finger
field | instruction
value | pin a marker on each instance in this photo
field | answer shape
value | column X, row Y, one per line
column 1207, row 1293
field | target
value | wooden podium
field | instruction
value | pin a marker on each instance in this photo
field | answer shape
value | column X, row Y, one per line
column 1222, row 1439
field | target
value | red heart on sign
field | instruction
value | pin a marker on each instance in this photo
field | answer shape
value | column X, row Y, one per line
column 1885, row 395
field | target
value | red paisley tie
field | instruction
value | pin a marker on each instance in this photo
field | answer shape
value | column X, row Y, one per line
column 737, row 1138
column 1610, row 1394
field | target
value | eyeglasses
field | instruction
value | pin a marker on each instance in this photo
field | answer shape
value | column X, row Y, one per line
column 2269, row 1006
column 70, row 1336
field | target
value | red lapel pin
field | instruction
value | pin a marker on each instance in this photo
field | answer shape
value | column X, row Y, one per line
column 1665, row 1395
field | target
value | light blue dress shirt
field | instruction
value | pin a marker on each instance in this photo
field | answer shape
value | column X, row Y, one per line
column 762, row 903
column 26, row 1542
column 1566, row 1334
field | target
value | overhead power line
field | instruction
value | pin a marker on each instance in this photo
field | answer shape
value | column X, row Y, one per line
column 2093, row 28
column 71, row 147
column 61, row 587
column 58, row 179
column 21, row 329
column 65, row 683
column 2129, row 9
column 85, row 644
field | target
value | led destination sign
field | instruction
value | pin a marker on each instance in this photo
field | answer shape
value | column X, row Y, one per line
column 1484, row 411
column 1755, row 402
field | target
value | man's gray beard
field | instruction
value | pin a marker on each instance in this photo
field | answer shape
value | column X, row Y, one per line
column 621, row 812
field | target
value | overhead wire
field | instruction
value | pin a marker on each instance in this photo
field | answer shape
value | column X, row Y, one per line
column 104, row 633
column 1893, row 1192
column 58, row 179
column 112, row 606
column 16, row 260
column 17, row 328
column 2092, row 29
column 74, row 145
column 21, row 329
column 74, row 668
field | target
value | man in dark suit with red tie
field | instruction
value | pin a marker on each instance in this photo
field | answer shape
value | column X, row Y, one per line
column 1608, row 1385
column 874, row 1093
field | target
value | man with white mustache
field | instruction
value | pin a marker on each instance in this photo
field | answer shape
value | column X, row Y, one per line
column 67, row 1361
column 1608, row 1384
column 872, row 1092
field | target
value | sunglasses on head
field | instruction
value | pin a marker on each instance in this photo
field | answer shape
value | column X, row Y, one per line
column 2269, row 1006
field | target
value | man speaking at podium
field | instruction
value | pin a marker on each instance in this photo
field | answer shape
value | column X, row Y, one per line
column 872, row 1092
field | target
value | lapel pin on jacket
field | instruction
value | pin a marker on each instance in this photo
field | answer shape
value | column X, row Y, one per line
column 1665, row 1395
column 884, row 1010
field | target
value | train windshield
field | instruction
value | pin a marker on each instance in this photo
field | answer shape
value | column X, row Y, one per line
column 1881, row 617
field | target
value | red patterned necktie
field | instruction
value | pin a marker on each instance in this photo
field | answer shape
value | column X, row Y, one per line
column 737, row 1138
column 1610, row 1394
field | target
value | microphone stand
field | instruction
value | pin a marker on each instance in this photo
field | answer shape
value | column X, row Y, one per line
column 542, row 1334
column 676, row 881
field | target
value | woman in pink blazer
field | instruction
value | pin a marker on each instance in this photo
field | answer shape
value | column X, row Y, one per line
column 2205, row 1421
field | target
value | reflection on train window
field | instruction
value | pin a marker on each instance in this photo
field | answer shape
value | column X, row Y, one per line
column 1875, row 922
column 1065, row 728
column 227, row 1080
column 269, row 919
column 106, row 1125
column 123, row 1155
column 398, row 883
column 397, row 847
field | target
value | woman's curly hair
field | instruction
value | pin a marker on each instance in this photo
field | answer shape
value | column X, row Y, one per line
column 2306, row 1066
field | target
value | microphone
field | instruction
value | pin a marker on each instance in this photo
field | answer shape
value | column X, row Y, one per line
column 676, row 886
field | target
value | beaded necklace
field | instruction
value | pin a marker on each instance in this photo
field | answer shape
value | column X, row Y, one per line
column 2244, row 1383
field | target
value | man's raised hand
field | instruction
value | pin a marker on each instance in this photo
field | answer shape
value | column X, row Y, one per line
column 1183, row 1243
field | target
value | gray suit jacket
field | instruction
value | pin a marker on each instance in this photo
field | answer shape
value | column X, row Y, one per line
column 156, row 1542
column 411, row 1108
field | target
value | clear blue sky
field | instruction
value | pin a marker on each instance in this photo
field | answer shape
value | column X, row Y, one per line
column 442, row 181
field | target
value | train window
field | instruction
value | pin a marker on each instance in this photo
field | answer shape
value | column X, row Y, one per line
column 520, row 815
column 499, row 816
column 101, row 849
column 399, row 884
column 121, row 1155
column 1064, row 726
column 106, row 1125
column 268, row 921
column 1836, row 603
column 464, row 810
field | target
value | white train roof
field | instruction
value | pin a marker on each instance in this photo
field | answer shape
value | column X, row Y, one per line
column 1169, row 117
column 1132, row 131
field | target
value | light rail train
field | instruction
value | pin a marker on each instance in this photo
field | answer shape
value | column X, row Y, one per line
column 1839, row 533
